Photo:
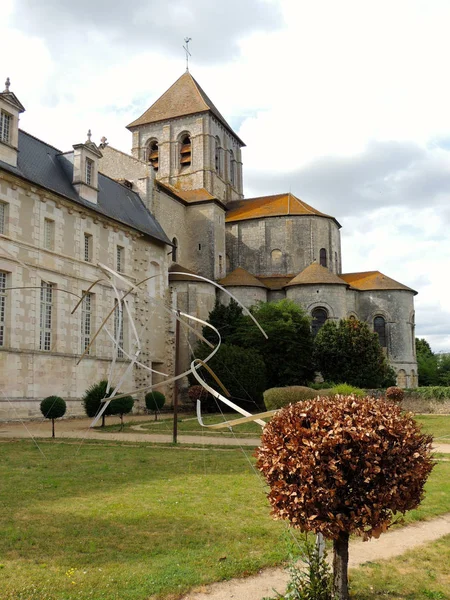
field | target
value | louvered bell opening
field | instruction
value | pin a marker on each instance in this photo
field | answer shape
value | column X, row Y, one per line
column 153, row 154
column 154, row 164
column 185, row 149
column 186, row 159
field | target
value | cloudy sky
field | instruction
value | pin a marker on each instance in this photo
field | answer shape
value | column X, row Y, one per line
column 346, row 104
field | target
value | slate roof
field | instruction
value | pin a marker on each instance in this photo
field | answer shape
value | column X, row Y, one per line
column 241, row 277
column 184, row 97
column 47, row 167
column 316, row 274
column 373, row 280
column 271, row 206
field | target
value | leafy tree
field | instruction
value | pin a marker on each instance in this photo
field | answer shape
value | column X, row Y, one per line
column 241, row 370
column 53, row 407
column 343, row 466
column 287, row 353
column 443, row 369
column 121, row 407
column 155, row 401
column 225, row 319
column 427, row 364
column 92, row 399
column 349, row 352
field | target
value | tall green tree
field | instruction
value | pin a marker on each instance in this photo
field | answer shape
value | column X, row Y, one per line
column 349, row 352
column 287, row 353
column 427, row 363
column 225, row 318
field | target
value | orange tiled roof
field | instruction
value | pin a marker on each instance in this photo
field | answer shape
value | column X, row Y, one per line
column 373, row 280
column 270, row 206
column 275, row 282
column 197, row 195
column 241, row 277
column 184, row 97
column 180, row 269
column 316, row 274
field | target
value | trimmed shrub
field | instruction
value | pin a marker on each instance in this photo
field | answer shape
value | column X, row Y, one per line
column 344, row 389
column 395, row 394
column 279, row 397
column 121, row 407
column 53, row 407
column 155, row 401
column 92, row 399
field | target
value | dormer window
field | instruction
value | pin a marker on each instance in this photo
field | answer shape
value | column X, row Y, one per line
column 5, row 126
column 89, row 171
column 153, row 154
column 185, row 151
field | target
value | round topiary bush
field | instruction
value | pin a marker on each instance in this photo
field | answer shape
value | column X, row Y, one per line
column 121, row 407
column 92, row 399
column 155, row 401
column 395, row 394
column 53, row 407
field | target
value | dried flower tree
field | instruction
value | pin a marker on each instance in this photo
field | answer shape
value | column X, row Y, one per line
column 343, row 466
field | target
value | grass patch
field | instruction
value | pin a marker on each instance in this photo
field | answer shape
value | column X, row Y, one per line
column 112, row 521
column 437, row 425
column 423, row 575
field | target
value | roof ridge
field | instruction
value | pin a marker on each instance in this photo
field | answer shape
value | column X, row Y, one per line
column 197, row 89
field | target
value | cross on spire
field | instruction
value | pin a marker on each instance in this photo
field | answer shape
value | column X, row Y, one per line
column 188, row 54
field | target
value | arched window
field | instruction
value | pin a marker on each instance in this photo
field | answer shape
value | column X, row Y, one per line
column 319, row 316
column 323, row 257
column 276, row 257
column 401, row 378
column 154, row 284
column 232, row 169
column 175, row 249
column 152, row 156
column 217, row 156
column 379, row 327
column 185, row 151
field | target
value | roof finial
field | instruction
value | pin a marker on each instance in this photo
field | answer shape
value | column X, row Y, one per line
column 188, row 54
column 89, row 135
column 7, row 84
column 103, row 142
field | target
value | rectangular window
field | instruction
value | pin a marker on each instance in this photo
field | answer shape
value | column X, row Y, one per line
column 120, row 259
column 5, row 126
column 45, row 341
column 87, row 247
column 89, row 171
column 86, row 321
column 49, row 234
column 118, row 330
column 2, row 217
column 3, row 278
column 220, row 264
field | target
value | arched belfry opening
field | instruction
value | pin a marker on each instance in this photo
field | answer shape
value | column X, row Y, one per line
column 185, row 151
column 153, row 154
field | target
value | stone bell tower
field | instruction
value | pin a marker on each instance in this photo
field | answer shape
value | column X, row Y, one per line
column 188, row 142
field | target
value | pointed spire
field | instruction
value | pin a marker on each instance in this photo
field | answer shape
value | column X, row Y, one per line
column 7, row 84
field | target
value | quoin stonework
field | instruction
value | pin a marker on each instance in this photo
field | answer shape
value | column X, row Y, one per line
column 174, row 205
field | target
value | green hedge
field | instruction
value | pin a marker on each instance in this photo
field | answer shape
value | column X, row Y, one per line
column 275, row 398
column 432, row 392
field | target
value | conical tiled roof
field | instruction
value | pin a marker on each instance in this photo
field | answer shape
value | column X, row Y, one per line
column 176, row 268
column 184, row 97
column 271, row 206
column 241, row 277
column 316, row 274
column 373, row 280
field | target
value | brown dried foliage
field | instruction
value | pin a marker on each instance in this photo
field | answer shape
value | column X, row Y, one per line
column 395, row 394
column 344, row 464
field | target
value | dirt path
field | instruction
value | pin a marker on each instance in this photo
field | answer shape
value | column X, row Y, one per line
column 388, row 545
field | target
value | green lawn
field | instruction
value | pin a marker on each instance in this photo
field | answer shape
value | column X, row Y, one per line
column 437, row 425
column 110, row 522
column 423, row 575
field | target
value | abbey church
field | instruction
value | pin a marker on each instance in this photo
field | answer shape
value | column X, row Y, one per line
column 172, row 209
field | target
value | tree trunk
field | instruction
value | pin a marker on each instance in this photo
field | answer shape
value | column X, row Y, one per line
column 340, row 566
column 156, row 415
column 103, row 419
column 53, row 428
column 121, row 422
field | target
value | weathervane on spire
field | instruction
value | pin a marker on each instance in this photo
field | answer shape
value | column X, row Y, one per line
column 188, row 54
